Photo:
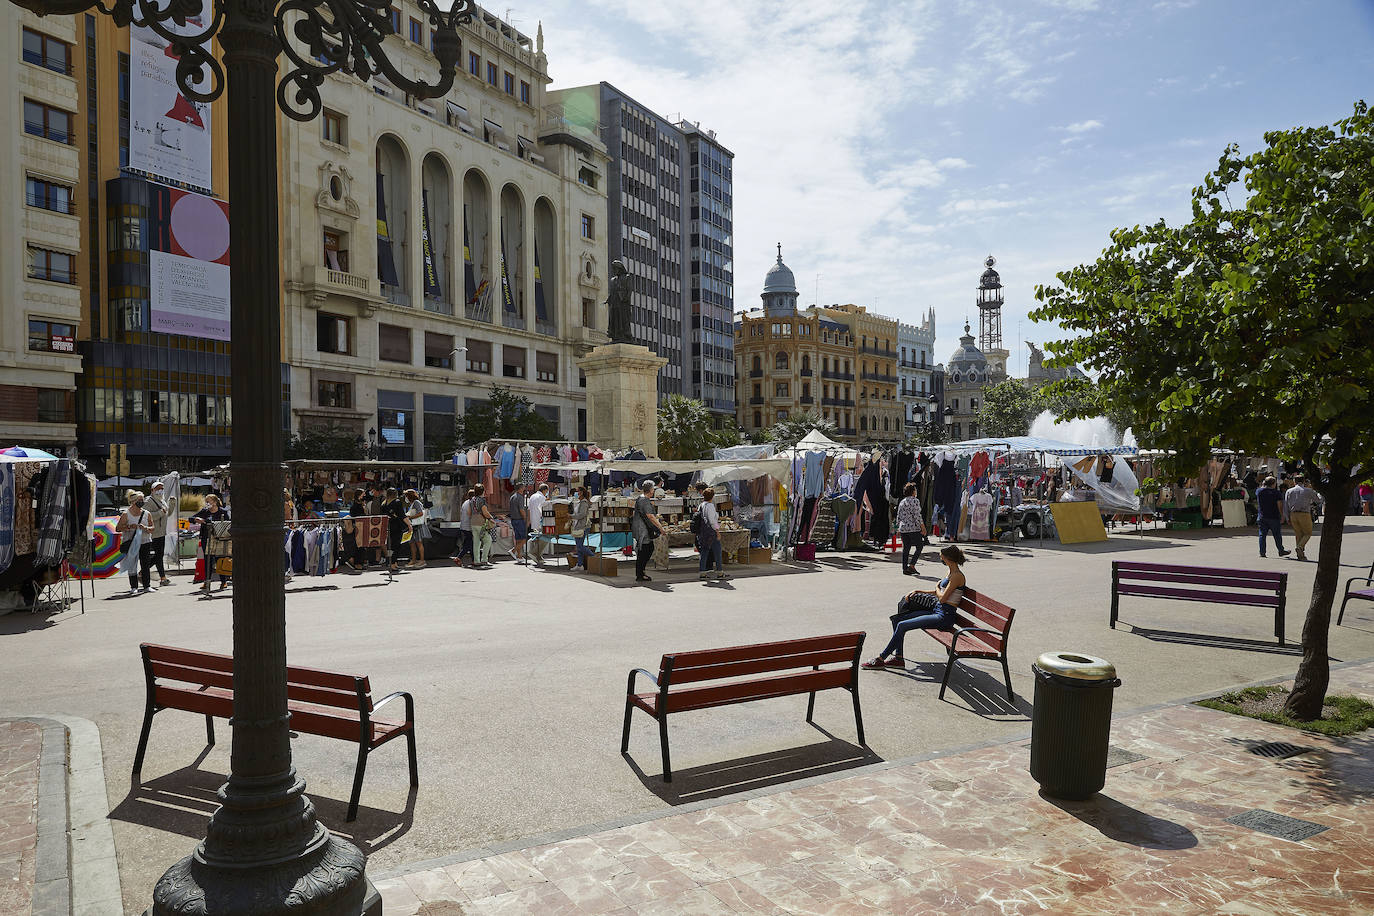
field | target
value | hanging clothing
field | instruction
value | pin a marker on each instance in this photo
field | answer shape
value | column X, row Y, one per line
column 53, row 515
column 843, row 509
column 371, row 531
column 981, row 508
column 24, row 535
column 814, row 471
column 505, row 461
column 871, row 486
column 6, row 515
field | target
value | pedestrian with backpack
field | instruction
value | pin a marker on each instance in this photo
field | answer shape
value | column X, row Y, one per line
column 706, row 526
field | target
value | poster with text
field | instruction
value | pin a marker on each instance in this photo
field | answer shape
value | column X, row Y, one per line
column 169, row 135
column 188, row 261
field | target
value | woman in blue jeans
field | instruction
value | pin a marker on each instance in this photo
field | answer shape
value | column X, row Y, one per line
column 578, row 523
column 948, row 594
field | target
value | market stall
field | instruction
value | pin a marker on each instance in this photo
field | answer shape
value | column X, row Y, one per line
column 47, row 513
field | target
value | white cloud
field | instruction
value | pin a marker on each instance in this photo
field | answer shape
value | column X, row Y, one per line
column 1082, row 127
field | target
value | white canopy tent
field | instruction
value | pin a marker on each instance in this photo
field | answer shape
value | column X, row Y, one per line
column 712, row 472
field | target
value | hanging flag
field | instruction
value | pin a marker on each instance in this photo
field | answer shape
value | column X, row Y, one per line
column 386, row 264
column 541, row 309
column 432, row 288
column 469, row 276
column 507, row 301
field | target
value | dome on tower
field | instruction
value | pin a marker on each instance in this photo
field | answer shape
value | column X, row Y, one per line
column 991, row 279
column 967, row 356
column 780, row 278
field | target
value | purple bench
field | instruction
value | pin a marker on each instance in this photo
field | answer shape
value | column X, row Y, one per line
column 1364, row 594
column 1250, row 587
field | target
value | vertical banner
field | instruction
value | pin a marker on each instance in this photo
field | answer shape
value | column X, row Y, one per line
column 386, row 264
column 469, row 276
column 541, row 309
column 432, row 288
column 169, row 135
column 507, row 301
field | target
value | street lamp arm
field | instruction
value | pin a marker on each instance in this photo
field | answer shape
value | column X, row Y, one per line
column 320, row 37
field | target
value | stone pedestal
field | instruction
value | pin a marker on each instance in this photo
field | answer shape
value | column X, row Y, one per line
column 622, row 396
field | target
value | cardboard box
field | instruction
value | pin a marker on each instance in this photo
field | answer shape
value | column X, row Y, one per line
column 603, row 565
column 760, row 554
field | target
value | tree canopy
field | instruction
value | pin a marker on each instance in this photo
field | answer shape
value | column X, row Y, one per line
column 1248, row 327
column 322, row 443
column 504, row 415
column 686, row 430
column 790, row 430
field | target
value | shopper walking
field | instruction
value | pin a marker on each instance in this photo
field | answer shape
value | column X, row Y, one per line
column 353, row 554
column 465, row 529
column 925, row 609
column 482, row 523
column 645, row 527
column 579, row 515
column 158, row 509
column 415, row 518
column 708, row 536
column 1270, row 515
column 519, row 523
column 135, row 526
column 535, row 507
column 911, row 528
column 1366, row 492
column 395, row 513
column 214, row 511
column 1300, row 502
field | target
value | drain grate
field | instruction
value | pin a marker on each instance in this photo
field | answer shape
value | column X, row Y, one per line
column 1119, row 756
column 1278, row 825
column 1278, row 750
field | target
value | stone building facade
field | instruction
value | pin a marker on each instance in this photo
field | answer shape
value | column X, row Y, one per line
column 915, row 369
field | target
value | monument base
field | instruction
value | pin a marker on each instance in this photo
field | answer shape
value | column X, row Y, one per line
column 622, row 396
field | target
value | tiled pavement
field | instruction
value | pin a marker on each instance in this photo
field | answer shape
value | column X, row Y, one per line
column 21, row 747
column 970, row 833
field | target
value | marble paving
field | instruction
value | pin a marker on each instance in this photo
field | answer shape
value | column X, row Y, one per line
column 970, row 833
column 21, row 744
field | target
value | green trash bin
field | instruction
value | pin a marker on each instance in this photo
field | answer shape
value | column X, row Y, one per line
column 1071, row 723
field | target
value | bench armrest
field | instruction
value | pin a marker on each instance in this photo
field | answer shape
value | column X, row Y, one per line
column 960, row 631
column 410, row 704
column 630, row 684
column 1351, row 581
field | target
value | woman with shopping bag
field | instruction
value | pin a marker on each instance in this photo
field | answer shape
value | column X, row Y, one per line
column 136, row 527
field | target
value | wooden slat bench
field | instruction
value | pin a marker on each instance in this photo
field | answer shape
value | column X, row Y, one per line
column 981, row 630
column 1248, row 587
column 1359, row 594
column 320, row 703
column 832, row 663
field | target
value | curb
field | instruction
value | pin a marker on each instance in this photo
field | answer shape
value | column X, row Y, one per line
column 645, row 817
column 72, row 800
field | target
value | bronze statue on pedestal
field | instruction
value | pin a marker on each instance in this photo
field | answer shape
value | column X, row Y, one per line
column 618, row 305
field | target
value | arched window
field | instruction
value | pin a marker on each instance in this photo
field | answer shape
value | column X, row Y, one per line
column 825, row 364
column 806, row 363
column 758, row 419
column 780, row 361
column 863, row 423
column 885, row 426
column 758, row 363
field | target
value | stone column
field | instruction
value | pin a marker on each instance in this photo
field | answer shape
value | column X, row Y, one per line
column 622, row 396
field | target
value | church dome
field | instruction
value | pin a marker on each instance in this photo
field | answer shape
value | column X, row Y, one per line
column 780, row 278
column 991, row 279
column 967, row 356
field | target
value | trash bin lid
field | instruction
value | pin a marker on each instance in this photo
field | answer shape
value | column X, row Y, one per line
column 1076, row 666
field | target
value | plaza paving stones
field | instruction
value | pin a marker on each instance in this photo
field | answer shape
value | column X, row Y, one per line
column 1181, row 829
column 21, row 747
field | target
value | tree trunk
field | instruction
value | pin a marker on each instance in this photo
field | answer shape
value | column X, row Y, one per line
column 1314, row 672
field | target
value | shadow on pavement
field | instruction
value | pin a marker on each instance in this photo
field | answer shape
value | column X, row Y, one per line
column 1210, row 641
column 728, row 777
column 1125, row 824
column 182, row 801
column 23, row 621
column 985, row 693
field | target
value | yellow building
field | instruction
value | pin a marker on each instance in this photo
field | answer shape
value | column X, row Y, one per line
column 878, row 411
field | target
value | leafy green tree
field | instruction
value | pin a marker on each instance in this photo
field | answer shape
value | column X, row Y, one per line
column 322, row 443
column 686, row 430
column 1249, row 327
column 793, row 428
column 1008, row 408
column 931, row 433
column 504, row 415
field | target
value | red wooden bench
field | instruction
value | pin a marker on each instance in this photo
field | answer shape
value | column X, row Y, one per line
column 833, row 663
column 320, row 703
column 1359, row 594
column 1248, row 587
column 980, row 631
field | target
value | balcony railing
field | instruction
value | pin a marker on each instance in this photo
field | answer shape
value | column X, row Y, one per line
column 755, row 402
column 842, row 376
column 874, row 351
column 756, row 373
column 847, row 431
column 837, row 402
column 878, row 377
column 806, row 373
column 807, row 399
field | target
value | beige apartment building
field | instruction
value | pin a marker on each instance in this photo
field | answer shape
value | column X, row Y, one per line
column 414, row 228
column 40, row 259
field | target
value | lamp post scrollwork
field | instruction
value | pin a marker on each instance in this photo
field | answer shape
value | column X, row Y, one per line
column 265, row 851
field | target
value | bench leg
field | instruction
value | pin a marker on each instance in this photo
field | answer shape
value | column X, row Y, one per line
column 357, row 783
column 663, row 741
column 210, row 730
column 1344, row 602
column 143, row 738
column 811, row 706
column 858, row 717
column 414, row 766
column 1006, row 676
column 949, row 669
column 625, row 732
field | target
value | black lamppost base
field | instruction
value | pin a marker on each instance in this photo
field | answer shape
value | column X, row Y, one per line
column 329, row 883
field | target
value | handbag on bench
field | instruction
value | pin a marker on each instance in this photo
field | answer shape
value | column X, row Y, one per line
column 914, row 606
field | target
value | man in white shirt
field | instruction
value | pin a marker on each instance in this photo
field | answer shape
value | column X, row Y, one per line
column 536, row 510
column 1299, row 503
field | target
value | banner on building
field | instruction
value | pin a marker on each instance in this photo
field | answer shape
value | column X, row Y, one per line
column 169, row 135
column 507, row 300
column 188, row 263
column 386, row 264
column 541, row 310
column 469, row 275
column 432, row 288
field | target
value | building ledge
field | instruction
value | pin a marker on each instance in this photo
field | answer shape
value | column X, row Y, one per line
column 319, row 283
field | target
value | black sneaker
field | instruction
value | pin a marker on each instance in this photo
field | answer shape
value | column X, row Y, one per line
column 643, row 579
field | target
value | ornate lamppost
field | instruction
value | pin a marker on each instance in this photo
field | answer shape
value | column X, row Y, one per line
column 264, row 851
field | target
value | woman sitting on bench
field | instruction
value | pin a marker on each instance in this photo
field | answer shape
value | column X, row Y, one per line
column 911, row 615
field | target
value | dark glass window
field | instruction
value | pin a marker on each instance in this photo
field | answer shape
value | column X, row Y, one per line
column 39, row 192
column 56, row 266
column 393, row 343
column 46, row 51
column 524, row 92
column 47, row 122
column 474, row 63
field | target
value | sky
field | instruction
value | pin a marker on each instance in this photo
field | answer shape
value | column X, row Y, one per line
column 892, row 145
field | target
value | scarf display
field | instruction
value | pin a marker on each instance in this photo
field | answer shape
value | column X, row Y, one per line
column 6, row 516
column 52, row 516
